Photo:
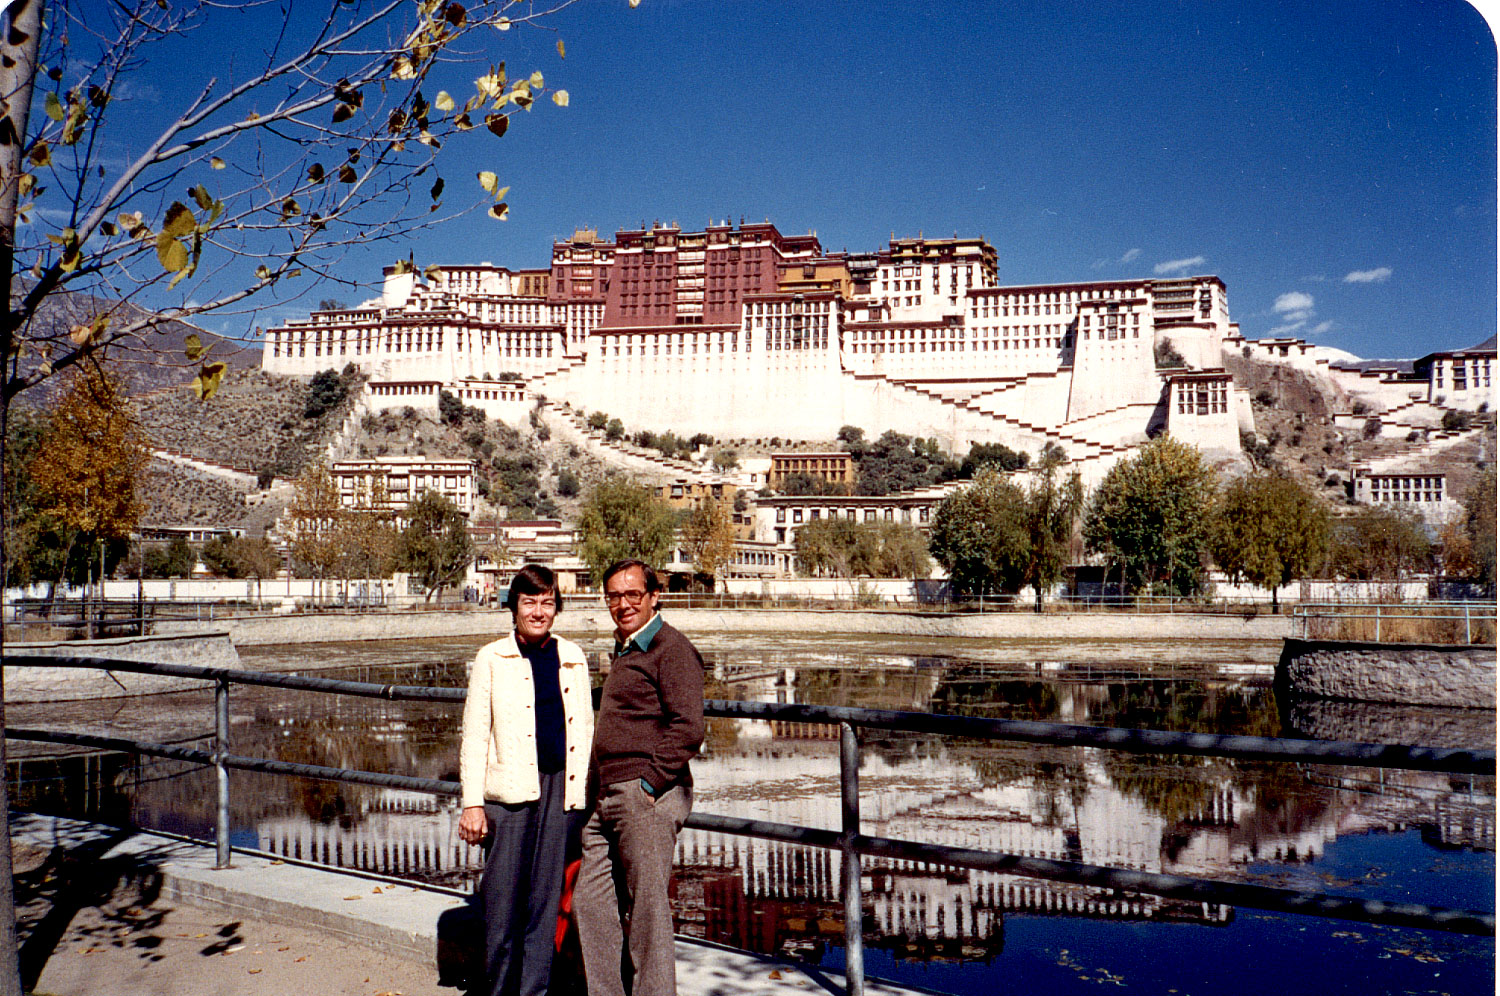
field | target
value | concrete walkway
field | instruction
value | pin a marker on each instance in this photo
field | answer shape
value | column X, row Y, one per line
column 421, row 926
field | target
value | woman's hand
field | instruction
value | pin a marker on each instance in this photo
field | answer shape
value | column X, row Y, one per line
column 472, row 825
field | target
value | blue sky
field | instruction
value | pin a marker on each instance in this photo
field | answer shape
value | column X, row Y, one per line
column 1334, row 162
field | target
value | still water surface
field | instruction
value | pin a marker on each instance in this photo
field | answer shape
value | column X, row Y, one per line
column 1391, row 835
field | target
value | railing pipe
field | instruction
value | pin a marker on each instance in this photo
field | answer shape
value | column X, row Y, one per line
column 1457, row 760
column 1152, row 883
column 1463, row 761
column 221, row 772
column 853, row 890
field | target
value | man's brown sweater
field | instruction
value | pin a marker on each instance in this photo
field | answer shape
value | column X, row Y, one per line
column 651, row 713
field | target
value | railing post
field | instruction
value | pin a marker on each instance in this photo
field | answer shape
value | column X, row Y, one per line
column 854, row 944
column 1468, row 633
column 1377, row 622
column 221, row 773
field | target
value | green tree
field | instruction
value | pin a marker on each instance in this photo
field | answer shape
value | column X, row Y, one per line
column 435, row 545
column 34, row 541
column 800, row 483
column 365, row 534
column 1380, row 543
column 450, row 409
column 979, row 535
column 1479, row 524
column 597, row 421
column 326, row 392
column 1052, row 509
column 708, row 536
column 614, row 430
column 621, row 518
column 312, row 522
column 897, row 462
column 903, row 552
column 176, row 560
column 725, row 461
column 1269, row 530
column 1147, row 517
column 994, row 455
column 837, row 547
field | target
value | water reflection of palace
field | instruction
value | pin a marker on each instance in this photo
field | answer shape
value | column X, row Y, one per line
column 1204, row 818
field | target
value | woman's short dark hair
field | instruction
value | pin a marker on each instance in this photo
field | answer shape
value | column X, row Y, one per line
column 653, row 583
column 533, row 579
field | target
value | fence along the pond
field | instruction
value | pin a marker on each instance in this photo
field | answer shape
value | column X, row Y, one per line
column 852, row 844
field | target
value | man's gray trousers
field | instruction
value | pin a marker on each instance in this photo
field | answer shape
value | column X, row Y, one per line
column 628, row 846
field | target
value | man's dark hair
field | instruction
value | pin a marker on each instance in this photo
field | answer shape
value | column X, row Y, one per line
column 653, row 583
column 533, row 579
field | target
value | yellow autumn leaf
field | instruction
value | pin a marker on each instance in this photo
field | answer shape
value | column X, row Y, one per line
column 444, row 101
column 561, row 52
column 560, row 98
column 487, row 180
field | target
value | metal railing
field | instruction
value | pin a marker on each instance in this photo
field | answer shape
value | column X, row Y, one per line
column 1410, row 622
column 848, row 840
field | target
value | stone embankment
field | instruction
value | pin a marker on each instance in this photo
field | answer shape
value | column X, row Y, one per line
column 65, row 684
column 591, row 619
column 1409, row 674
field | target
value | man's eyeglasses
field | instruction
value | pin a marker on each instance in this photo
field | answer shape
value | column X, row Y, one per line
column 634, row 597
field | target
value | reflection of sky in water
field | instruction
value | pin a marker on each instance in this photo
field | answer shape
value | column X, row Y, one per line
column 955, row 931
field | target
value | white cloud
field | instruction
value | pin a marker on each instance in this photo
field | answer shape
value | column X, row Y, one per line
column 1294, row 309
column 1378, row 275
column 1293, row 302
column 1178, row 265
column 1129, row 255
column 1322, row 327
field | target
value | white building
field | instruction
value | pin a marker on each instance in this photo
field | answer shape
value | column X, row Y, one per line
column 744, row 331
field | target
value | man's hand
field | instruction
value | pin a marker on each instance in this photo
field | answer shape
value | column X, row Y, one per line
column 472, row 825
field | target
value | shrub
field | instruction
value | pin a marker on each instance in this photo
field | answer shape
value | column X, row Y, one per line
column 1359, row 408
column 1265, row 397
column 324, row 393
column 1167, row 356
column 1372, row 429
column 567, row 483
column 1456, row 421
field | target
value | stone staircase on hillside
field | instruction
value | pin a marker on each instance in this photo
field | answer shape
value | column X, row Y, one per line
column 243, row 476
column 1076, row 447
column 623, row 453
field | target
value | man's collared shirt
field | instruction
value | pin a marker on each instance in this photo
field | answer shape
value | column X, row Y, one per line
column 640, row 640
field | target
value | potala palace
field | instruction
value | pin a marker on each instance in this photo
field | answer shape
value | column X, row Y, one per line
column 743, row 331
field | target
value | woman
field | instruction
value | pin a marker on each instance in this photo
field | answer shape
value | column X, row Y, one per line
column 523, row 764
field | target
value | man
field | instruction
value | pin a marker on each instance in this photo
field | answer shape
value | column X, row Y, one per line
column 650, row 725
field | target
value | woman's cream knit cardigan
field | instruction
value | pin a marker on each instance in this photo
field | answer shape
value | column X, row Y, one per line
column 497, row 753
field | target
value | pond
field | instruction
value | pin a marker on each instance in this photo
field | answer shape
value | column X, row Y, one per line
column 1392, row 835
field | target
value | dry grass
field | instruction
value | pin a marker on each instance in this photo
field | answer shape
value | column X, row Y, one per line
column 1406, row 624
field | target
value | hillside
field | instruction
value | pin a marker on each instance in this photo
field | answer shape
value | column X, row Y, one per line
column 1294, row 429
column 257, row 422
column 150, row 361
column 521, row 469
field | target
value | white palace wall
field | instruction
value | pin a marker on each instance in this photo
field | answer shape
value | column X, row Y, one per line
column 1070, row 365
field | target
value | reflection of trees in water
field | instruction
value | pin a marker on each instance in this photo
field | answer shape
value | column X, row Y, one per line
column 991, row 699
column 901, row 689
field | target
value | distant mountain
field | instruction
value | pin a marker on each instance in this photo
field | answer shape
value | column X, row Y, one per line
column 153, row 360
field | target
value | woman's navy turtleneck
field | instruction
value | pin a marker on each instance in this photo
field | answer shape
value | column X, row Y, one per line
column 551, row 738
